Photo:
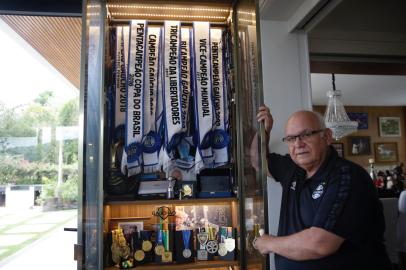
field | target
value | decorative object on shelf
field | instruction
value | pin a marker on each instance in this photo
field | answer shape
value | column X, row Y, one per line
column 359, row 145
column 170, row 194
column 163, row 212
column 336, row 117
column 202, row 238
column 389, row 127
column 360, row 117
column 187, row 190
column 339, row 147
column 386, row 152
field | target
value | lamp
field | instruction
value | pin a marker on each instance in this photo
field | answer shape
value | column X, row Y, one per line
column 336, row 117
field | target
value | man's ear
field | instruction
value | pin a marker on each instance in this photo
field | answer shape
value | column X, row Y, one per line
column 328, row 134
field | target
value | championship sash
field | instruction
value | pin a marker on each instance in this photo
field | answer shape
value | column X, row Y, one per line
column 203, row 95
column 152, row 140
column 171, row 92
column 185, row 77
column 220, row 137
column 121, row 54
column 135, row 98
column 185, row 150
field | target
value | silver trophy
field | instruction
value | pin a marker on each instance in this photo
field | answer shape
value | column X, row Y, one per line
column 170, row 194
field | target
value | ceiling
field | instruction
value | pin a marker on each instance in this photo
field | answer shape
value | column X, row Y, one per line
column 361, row 90
column 57, row 39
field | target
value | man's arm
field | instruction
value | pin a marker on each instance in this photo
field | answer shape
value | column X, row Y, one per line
column 309, row 244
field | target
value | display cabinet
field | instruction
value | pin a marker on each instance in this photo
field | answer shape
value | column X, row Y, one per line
column 111, row 188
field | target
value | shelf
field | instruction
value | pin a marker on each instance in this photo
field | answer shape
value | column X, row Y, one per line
column 176, row 202
column 175, row 266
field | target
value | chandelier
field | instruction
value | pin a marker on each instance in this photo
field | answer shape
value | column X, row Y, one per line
column 336, row 117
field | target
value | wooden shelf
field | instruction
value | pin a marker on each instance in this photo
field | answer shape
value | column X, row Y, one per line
column 175, row 266
column 176, row 202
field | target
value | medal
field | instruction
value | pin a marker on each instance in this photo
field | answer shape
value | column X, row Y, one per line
column 229, row 241
column 222, row 249
column 212, row 245
column 159, row 248
column 146, row 245
column 186, row 238
column 139, row 255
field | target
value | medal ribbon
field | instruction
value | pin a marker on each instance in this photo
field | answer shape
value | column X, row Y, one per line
column 159, row 237
column 203, row 95
column 171, row 91
column 122, row 35
column 186, row 238
column 166, row 239
column 220, row 136
column 135, row 97
column 152, row 140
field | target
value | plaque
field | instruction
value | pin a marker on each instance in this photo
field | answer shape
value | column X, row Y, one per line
column 167, row 256
column 202, row 254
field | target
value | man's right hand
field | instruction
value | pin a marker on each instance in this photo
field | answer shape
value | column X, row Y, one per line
column 264, row 115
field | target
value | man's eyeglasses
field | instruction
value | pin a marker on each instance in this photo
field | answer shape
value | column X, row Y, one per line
column 302, row 136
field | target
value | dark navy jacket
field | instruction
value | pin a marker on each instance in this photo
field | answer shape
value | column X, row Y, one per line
column 340, row 198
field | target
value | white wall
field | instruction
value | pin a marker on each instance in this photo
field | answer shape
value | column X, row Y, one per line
column 286, row 80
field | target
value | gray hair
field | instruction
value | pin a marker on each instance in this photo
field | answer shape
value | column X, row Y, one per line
column 320, row 119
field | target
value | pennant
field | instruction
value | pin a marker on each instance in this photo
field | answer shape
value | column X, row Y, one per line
column 152, row 140
column 135, row 98
column 220, row 136
column 203, row 95
column 172, row 102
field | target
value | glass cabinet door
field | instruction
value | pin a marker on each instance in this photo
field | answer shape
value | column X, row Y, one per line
column 250, row 135
column 90, row 214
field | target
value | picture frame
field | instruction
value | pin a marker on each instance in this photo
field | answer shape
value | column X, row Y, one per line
column 359, row 145
column 360, row 117
column 386, row 152
column 188, row 189
column 339, row 147
column 389, row 127
column 130, row 227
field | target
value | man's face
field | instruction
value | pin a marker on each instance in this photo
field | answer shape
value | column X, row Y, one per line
column 309, row 150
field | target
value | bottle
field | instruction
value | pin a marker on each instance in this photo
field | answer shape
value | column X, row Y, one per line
column 372, row 170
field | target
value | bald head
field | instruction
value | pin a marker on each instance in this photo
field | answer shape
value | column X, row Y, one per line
column 309, row 116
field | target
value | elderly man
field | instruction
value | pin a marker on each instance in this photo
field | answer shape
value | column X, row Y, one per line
column 331, row 216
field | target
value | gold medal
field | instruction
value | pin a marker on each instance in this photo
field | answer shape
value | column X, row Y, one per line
column 159, row 250
column 139, row 255
column 167, row 256
column 146, row 245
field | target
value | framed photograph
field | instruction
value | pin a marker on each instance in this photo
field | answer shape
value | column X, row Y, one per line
column 339, row 148
column 131, row 227
column 359, row 145
column 188, row 189
column 389, row 126
column 386, row 152
column 361, row 118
